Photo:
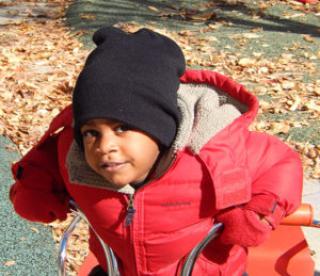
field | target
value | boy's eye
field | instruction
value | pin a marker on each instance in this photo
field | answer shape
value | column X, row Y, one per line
column 90, row 133
column 122, row 128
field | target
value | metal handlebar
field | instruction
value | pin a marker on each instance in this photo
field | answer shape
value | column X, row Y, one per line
column 112, row 263
column 195, row 252
column 63, row 245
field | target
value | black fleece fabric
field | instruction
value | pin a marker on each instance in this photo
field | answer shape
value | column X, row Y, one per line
column 132, row 78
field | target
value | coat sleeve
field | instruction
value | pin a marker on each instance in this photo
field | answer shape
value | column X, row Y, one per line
column 38, row 193
column 276, row 174
column 275, row 169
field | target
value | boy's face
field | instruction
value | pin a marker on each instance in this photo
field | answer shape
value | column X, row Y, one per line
column 118, row 153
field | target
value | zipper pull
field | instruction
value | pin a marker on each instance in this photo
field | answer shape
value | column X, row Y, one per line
column 130, row 211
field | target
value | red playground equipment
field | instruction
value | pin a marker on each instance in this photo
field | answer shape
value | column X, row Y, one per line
column 285, row 253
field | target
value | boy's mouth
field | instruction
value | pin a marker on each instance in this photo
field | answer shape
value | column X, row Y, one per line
column 112, row 166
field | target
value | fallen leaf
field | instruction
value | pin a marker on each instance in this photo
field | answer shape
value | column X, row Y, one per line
column 34, row 229
column 251, row 35
column 12, row 12
column 287, row 85
column 153, row 8
column 295, row 104
column 186, row 33
column 317, row 91
column 246, row 61
column 256, row 30
column 308, row 38
column 312, row 105
column 312, row 153
column 10, row 263
column 263, row 70
column 279, row 127
column 295, row 15
column 201, row 16
column 88, row 16
column 262, row 6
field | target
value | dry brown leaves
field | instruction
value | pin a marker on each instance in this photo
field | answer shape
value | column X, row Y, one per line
column 200, row 13
column 38, row 66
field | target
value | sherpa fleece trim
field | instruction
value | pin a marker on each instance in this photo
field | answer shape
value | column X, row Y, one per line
column 204, row 110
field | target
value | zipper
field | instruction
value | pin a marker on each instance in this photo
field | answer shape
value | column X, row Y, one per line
column 130, row 211
column 129, row 224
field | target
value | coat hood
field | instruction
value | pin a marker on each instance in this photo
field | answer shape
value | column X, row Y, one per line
column 208, row 102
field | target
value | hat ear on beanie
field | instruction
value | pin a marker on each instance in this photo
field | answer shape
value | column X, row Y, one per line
column 132, row 78
column 104, row 33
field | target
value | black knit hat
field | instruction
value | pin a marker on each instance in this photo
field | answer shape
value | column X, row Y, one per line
column 132, row 78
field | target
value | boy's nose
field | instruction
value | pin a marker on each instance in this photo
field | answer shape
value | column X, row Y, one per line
column 108, row 143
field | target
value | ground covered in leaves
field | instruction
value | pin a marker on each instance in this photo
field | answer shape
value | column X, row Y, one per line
column 272, row 47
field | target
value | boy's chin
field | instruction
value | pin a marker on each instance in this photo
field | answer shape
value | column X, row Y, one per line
column 118, row 183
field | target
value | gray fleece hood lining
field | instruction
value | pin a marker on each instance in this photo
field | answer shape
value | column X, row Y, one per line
column 205, row 111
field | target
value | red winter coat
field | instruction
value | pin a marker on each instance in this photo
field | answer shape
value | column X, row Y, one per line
column 218, row 163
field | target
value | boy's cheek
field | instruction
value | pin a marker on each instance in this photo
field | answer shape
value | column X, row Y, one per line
column 91, row 161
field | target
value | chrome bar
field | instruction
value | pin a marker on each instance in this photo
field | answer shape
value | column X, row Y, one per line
column 112, row 263
column 192, row 257
column 63, row 245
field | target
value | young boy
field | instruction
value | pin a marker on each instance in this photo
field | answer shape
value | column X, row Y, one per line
column 154, row 156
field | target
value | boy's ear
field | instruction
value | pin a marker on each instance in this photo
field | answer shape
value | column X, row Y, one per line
column 78, row 137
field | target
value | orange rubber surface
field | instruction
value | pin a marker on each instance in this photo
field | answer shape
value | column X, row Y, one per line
column 285, row 253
